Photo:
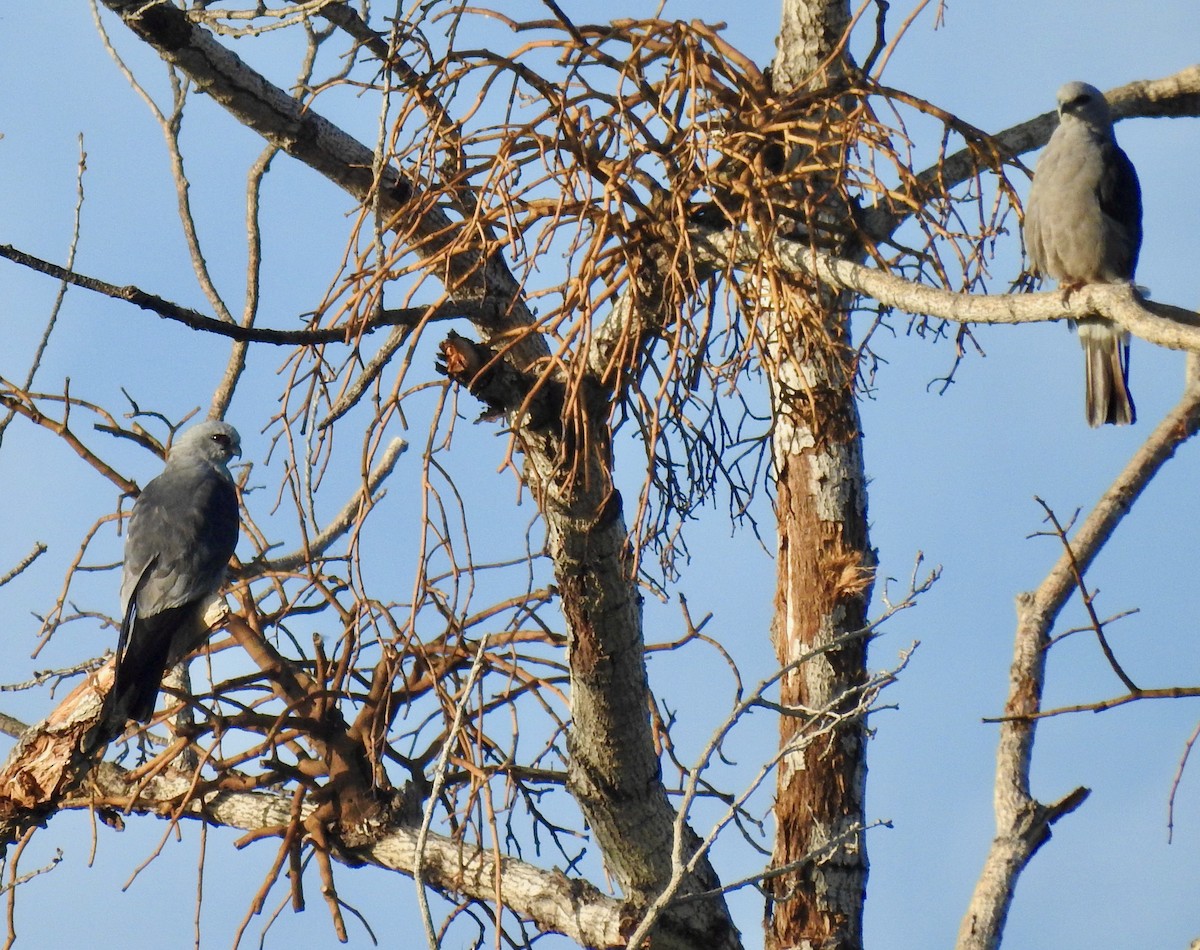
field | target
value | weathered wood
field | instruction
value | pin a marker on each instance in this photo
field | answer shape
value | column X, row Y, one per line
column 825, row 563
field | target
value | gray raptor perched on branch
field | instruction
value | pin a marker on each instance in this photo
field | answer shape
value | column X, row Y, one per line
column 1083, row 225
column 182, row 532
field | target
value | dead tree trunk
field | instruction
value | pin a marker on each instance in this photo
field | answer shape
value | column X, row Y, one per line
column 825, row 562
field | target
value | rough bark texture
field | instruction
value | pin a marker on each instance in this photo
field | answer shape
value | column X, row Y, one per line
column 554, row 902
column 613, row 770
column 1022, row 822
column 825, row 561
column 825, row 568
column 808, row 49
column 54, row 757
column 49, row 759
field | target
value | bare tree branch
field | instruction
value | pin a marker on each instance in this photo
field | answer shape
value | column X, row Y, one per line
column 306, row 135
column 1161, row 324
column 475, row 310
column 1023, row 823
column 547, row 897
column 39, row 548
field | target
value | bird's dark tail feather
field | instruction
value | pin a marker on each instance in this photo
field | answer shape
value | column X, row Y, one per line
column 140, row 668
column 1106, row 361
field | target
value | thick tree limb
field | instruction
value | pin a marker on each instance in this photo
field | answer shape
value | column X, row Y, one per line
column 1161, row 324
column 51, row 758
column 824, row 563
column 55, row 765
column 547, row 897
column 614, row 771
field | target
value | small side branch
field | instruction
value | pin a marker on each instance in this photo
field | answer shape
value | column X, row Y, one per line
column 342, row 523
column 39, row 548
column 1087, row 597
column 1114, row 702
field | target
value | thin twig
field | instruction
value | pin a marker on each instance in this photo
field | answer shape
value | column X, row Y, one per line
column 39, row 548
column 1086, row 596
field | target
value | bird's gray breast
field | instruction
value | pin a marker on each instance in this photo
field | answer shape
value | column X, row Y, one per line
column 1068, row 234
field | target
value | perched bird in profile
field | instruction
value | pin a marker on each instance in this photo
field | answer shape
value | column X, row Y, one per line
column 182, row 532
column 1083, row 225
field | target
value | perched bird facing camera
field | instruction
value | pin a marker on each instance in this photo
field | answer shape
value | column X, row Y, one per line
column 1083, row 225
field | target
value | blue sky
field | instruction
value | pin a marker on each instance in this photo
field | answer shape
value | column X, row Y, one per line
column 953, row 476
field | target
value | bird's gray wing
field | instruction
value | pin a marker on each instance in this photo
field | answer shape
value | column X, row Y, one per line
column 182, row 532
column 1120, row 197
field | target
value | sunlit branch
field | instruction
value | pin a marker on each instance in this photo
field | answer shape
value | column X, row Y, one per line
column 554, row 901
column 818, row 723
column 1164, row 325
column 1179, row 425
column 24, row 404
column 17, row 881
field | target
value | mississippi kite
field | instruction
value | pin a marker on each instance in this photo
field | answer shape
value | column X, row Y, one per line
column 1083, row 225
column 182, row 532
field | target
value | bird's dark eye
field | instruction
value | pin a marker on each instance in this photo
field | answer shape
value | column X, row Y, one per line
column 221, row 439
column 1079, row 101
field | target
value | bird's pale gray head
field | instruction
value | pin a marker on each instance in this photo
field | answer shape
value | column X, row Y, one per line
column 211, row 441
column 1079, row 100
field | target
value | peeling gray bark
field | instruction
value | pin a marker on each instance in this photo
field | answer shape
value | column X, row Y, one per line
column 553, row 901
column 1158, row 323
